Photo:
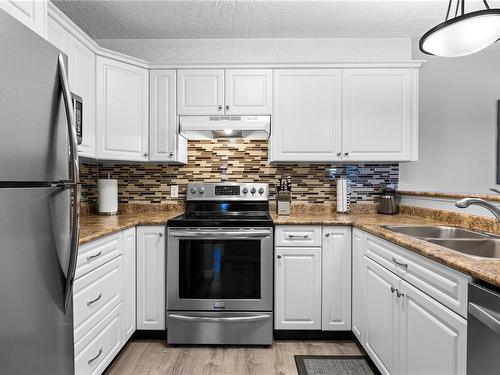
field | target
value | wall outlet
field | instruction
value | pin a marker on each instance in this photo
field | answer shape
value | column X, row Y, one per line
column 174, row 191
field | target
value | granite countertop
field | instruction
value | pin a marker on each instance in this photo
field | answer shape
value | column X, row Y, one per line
column 483, row 269
column 96, row 226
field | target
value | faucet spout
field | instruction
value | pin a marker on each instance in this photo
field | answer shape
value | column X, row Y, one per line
column 466, row 202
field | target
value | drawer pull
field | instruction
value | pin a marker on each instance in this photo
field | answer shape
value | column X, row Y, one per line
column 90, row 257
column 94, row 300
column 405, row 265
column 94, row 358
column 304, row 236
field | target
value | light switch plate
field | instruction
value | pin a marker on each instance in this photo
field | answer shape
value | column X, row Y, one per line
column 174, row 191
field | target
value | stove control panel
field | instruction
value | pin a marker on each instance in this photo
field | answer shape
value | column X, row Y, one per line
column 219, row 191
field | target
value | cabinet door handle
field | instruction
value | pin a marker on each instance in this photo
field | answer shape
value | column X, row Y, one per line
column 146, row 154
column 399, row 294
column 171, row 154
column 160, row 235
column 220, row 107
column 405, row 265
column 304, row 236
column 89, row 303
column 90, row 257
column 393, row 289
column 327, row 235
column 227, row 107
column 278, row 256
column 346, row 153
column 94, row 358
column 339, row 153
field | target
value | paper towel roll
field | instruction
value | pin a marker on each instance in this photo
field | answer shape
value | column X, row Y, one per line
column 343, row 198
column 108, row 196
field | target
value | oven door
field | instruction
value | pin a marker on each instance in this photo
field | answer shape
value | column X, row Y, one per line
column 220, row 269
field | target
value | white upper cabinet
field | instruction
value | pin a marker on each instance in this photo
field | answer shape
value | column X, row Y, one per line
column 57, row 35
column 379, row 114
column 336, row 279
column 81, row 62
column 248, row 91
column 165, row 144
column 307, row 115
column 32, row 13
column 122, row 110
column 200, row 91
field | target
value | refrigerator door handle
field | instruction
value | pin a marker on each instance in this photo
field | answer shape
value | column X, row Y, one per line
column 75, row 209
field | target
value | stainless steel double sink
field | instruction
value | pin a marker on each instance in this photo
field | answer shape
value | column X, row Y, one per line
column 472, row 243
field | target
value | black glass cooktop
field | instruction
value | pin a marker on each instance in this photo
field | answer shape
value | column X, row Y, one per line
column 229, row 214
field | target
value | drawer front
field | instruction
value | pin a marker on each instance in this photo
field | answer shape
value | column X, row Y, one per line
column 444, row 284
column 94, row 254
column 98, row 348
column 95, row 295
column 298, row 235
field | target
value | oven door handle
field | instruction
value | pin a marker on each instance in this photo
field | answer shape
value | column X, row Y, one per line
column 234, row 319
column 486, row 316
column 221, row 235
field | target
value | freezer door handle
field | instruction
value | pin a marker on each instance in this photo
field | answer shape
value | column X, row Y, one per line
column 75, row 209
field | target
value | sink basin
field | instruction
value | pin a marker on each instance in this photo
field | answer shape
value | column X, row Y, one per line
column 486, row 248
column 439, row 231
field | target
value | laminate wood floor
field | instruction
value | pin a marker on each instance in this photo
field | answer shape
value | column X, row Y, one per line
column 156, row 357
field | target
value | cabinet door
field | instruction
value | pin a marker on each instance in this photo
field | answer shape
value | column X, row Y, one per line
column 382, row 316
column 151, row 277
column 164, row 141
column 358, row 284
column 128, row 246
column 122, row 111
column 297, row 288
column 336, row 279
column 57, row 35
column 32, row 13
column 200, row 91
column 379, row 114
column 433, row 339
column 248, row 91
column 81, row 62
column 307, row 117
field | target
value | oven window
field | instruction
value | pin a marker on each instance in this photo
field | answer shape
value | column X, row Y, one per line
column 216, row 269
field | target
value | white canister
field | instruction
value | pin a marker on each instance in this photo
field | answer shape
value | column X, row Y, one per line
column 343, row 196
column 108, row 196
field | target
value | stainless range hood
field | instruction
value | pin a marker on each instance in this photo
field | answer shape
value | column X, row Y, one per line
column 224, row 127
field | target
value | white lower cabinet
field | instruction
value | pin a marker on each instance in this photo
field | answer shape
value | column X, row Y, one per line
column 404, row 329
column 312, row 272
column 381, row 316
column 151, row 277
column 336, row 279
column 433, row 339
column 358, row 294
column 104, row 302
column 129, row 254
column 297, row 294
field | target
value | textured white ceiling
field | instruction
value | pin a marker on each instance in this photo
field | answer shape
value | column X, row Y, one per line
column 219, row 19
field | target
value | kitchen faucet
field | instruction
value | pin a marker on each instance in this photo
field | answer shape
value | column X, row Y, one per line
column 466, row 202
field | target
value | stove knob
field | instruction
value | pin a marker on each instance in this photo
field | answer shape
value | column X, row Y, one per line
column 245, row 190
column 201, row 190
column 252, row 190
column 261, row 190
column 193, row 190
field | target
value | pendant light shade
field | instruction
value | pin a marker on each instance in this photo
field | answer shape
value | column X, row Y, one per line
column 464, row 34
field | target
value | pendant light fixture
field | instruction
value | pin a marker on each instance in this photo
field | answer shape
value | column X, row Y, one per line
column 464, row 34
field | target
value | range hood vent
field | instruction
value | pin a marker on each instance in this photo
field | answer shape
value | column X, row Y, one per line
column 224, row 127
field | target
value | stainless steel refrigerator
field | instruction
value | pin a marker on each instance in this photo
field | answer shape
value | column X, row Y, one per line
column 39, row 205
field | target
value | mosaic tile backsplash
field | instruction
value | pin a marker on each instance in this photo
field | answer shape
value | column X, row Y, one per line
column 243, row 161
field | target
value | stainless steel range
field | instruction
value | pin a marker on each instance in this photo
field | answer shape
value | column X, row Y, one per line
column 219, row 267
